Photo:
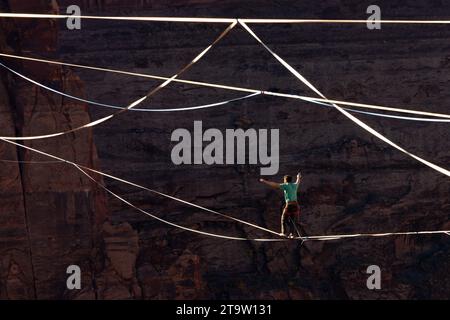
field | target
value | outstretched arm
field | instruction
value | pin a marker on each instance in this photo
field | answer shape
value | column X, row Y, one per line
column 270, row 183
column 299, row 178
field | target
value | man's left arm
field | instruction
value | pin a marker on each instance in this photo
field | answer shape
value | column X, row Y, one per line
column 270, row 183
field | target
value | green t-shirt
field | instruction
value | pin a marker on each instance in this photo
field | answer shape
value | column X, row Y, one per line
column 290, row 191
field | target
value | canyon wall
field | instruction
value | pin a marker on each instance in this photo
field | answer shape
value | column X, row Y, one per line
column 353, row 183
column 51, row 217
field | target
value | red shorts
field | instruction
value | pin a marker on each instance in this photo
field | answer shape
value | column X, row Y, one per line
column 292, row 210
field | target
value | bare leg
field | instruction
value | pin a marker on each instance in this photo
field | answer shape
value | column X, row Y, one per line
column 295, row 226
column 284, row 221
column 297, row 222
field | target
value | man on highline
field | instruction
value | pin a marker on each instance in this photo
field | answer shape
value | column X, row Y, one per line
column 291, row 210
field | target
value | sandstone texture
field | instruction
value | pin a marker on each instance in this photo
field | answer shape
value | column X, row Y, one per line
column 52, row 217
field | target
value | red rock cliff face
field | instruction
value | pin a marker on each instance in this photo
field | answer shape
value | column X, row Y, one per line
column 352, row 183
column 51, row 217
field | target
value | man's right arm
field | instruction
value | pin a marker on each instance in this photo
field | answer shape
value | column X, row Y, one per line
column 299, row 178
